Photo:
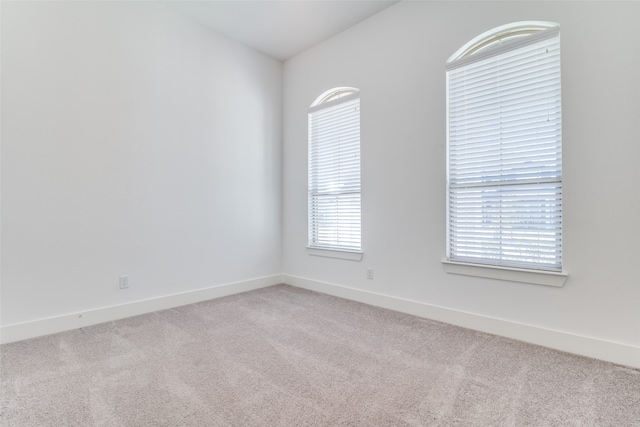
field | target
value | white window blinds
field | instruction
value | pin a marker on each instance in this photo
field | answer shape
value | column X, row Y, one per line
column 505, row 155
column 334, row 174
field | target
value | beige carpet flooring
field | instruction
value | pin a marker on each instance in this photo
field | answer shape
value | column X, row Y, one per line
column 283, row 356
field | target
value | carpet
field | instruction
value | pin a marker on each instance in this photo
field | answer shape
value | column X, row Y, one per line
column 284, row 356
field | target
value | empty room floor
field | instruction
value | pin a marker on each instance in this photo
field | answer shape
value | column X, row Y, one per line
column 284, row 356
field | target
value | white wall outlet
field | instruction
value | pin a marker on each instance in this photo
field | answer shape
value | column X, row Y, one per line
column 370, row 273
column 124, row 282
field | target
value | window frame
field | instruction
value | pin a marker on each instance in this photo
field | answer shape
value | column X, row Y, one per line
column 487, row 45
column 330, row 99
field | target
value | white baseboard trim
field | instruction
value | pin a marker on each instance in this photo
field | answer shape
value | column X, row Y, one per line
column 623, row 354
column 52, row 325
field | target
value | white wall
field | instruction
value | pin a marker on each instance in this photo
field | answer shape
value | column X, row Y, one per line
column 397, row 59
column 134, row 142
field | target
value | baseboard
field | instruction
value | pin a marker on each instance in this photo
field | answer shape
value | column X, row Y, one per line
column 619, row 353
column 22, row 331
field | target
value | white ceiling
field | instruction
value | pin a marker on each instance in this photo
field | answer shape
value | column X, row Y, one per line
column 281, row 29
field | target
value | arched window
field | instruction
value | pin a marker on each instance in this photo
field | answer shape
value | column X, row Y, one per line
column 334, row 171
column 502, row 35
column 504, row 149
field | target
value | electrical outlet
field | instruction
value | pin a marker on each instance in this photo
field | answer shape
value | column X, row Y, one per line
column 370, row 273
column 124, row 282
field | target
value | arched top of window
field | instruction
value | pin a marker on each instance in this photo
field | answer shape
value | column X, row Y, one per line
column 333, row 94
column 500, row 36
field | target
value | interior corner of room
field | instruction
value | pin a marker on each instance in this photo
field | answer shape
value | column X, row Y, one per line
column 149, row 162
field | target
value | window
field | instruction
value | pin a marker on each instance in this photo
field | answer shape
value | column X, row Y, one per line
column 334, row 171
column 504, row 149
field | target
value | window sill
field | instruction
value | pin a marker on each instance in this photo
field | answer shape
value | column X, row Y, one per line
column 335, row 253
column 546, row 278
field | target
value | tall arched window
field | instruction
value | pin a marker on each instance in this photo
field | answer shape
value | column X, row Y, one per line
column 334, row 171
column 504, row 149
